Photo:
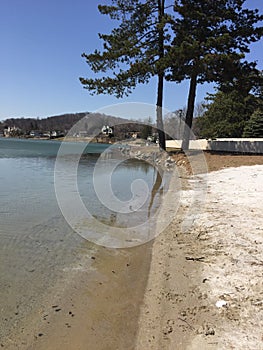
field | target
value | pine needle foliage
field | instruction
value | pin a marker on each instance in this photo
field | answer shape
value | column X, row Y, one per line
column 254, row 126
column 133, row 52
column 210, row 41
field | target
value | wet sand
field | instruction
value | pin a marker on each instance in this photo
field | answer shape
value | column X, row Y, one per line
column 97, row 308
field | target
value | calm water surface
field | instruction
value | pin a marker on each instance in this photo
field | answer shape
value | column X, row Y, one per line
column 36, row 243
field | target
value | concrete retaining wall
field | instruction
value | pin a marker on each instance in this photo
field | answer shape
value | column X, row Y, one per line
column 234, row 145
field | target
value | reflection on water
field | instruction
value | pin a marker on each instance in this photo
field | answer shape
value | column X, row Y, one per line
column 121, row 181
column 37, row 244
column 157, row 188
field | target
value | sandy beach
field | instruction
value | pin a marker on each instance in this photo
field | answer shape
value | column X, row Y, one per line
column 193, row 287
column 205, row 285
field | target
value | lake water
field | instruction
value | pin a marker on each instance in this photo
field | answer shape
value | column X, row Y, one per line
column 36, row 243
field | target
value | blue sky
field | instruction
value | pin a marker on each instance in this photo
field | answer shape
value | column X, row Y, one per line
column 40, row 61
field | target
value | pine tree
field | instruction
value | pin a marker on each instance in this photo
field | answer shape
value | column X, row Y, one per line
column 226, row 114
column 254, row 126
column 210, row 43
column 133, row 52
column 232, row 106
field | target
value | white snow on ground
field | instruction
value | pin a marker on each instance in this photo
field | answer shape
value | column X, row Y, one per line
column 231, row 230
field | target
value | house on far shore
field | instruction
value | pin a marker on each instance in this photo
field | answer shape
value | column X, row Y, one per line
column 56, row 133
column 12, row 131
column 107, row 130
column 35, row 133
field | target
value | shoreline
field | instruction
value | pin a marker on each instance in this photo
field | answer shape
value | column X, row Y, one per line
column 96, row 305
column 106, row 304
column 146, row 297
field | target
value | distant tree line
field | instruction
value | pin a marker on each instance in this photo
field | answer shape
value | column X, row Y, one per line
column 61, row 122
column 85, row 124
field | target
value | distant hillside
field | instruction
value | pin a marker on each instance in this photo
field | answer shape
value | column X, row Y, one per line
column 60, row 122
column 87, row 124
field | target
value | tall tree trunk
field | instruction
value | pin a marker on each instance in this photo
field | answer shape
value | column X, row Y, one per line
column 159, row 112
column 189, row 113
column 159, row 104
